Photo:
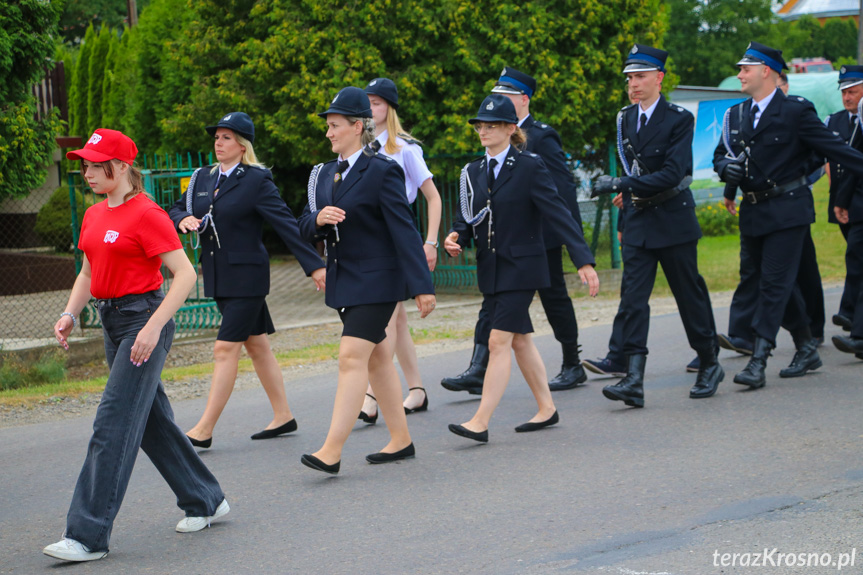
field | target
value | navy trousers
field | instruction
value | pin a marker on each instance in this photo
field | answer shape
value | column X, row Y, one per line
column 854, row 277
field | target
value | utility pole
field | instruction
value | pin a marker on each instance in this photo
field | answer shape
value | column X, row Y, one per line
column 132, row 8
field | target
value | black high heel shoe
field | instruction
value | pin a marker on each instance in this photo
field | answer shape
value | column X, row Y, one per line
column 370, row 419
column 280, row 430
column 201, row 442
column 425, row 403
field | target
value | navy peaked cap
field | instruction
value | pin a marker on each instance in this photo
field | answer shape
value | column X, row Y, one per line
column 350, row 101
column 239, row 122
column 496, row 108
column 643, row 58
column 850, row 76
column 512, row 81
column 760, row 54
column 386, row 89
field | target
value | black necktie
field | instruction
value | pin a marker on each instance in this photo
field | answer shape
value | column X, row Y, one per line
column 853, row 119
column 491, row 166
column 337, row 179
column 222, row 178
column 754, row 115
column 643, row 121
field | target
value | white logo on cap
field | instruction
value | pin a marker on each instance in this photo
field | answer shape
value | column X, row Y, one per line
column 635, row 49
column 111, row 236
column 750, row 46
column 226, row 118
column 94, row 139
column 503, row 72
column 842, row 69
column 490, row 106
column 334, row 99
column 373, row 82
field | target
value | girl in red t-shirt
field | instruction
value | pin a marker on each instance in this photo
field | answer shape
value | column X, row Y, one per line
column 126, row 238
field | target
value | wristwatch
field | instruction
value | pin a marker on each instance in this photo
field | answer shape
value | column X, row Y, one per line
column 435, row 244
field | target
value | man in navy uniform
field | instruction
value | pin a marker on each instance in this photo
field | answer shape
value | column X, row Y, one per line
column 766, row 148
column 544, row 141
column 845, row 125
column 660, row 227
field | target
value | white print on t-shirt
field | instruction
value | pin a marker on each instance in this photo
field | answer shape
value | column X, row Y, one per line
column 111, row 236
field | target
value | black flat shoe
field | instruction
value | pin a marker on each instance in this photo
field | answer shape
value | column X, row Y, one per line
column 201, row 443
column 280, row 430
column 318, row 465
column 370, row 419
column 534, row 426
column 481, row 436
column 407, row 453
column 423, row 407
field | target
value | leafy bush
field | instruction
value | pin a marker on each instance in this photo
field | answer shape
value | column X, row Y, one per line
column 54, row 220
column 715, row 220
column 50, row 367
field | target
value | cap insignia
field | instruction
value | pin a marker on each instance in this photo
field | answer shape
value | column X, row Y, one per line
column 373, row 82
column 843, row 70
column 226, row 118
column 634, row 50
column 94, row 139
column 334, row 99
column 503, row 72
column 490, row 106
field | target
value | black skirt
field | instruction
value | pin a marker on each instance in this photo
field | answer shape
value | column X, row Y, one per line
column 368, row 322
column 510, row 310
column 243, row 317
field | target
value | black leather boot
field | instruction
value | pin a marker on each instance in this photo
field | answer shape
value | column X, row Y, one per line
column 753, row 374
column 806, row 358
column 630, row 389
column 710, row 373
column 470, row 380
column 571, row 373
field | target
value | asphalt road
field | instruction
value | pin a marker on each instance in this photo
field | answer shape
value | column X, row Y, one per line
column 668, row 489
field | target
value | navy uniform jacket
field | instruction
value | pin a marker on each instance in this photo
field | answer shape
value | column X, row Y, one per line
column 840, row 124
column 780, row 151
column 241, row 267
column 849, row 191
column 379, row 253
column 663, row 148
column 523, row 201
column 544, row 141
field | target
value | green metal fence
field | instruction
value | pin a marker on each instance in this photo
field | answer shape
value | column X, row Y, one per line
column 165, row 179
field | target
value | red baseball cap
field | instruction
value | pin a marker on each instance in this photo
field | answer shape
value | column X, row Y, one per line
column 106, row 145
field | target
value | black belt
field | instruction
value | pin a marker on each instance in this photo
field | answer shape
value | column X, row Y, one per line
column 130, row 298
column 755, row 197
column 661, row 197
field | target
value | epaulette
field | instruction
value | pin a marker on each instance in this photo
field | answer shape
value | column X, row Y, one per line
column 675, row 107
column 411, row 141
column 625, row 108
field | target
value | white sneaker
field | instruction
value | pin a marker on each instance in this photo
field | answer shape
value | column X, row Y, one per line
column 192, row 524
column 71, row 550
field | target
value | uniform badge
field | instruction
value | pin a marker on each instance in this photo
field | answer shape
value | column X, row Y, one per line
column 749, row 46
column 490, row 106
column 240, row 170
column 634, row 50
column 226, row 118
column 337, row 177
column 94, row 139
column 842, row 70
column 373, row 82
column 503, row 72
column 510, row 160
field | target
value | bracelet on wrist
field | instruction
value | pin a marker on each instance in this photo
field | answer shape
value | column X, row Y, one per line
column 72, row 315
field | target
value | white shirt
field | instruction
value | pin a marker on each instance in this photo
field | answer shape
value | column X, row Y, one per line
column 648, row 112
column 410, row 157
column 500, row 158
column 762, row 105
column 351, row 161
column 229, row 172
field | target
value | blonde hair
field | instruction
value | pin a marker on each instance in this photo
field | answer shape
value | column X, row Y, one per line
column 368, row 135
column 395, row 130
column 249, row 158
column 518, row 139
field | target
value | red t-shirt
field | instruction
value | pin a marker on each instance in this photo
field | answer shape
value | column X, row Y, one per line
column 123, row 246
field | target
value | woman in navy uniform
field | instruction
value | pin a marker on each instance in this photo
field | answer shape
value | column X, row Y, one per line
column 507, row 198
column 660, row 227
column 392, row 140
column 544, row 141
column 357, row 206
column 230, row 202
column 767, row 143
